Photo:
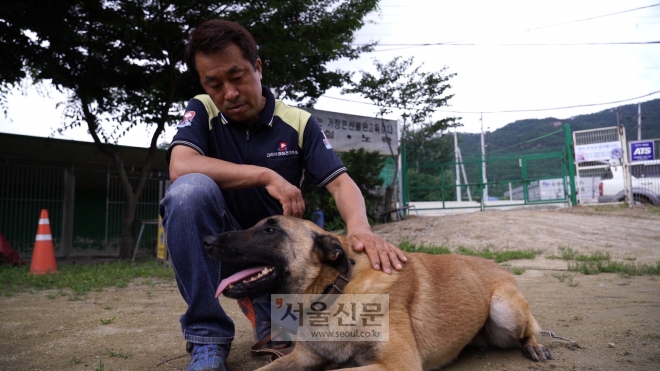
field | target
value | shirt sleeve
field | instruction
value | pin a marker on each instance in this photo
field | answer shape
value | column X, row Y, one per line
column 193, row 130
column 320, row 161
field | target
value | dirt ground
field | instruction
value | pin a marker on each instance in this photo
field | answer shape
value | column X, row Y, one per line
column 604, row 321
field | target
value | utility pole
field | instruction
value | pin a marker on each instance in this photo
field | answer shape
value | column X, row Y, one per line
column 483, row 160
column 639, row 121
column 458, row 174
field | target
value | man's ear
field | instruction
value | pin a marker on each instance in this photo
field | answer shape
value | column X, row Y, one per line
column 331, row 252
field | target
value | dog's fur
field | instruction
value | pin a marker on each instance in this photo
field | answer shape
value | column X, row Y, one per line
column 438, row 304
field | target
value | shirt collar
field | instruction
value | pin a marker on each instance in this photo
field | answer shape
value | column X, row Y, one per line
column 266, row 115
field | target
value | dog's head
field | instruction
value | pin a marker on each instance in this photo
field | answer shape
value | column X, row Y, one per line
column 292, row 255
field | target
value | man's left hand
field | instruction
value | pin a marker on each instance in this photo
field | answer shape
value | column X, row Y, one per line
column 382, row 254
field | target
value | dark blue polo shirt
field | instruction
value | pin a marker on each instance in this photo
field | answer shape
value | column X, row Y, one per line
column 285, row 139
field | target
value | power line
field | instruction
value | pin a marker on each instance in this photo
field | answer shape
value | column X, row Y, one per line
column 456, row 42
column 408, row 46
column 518, row 110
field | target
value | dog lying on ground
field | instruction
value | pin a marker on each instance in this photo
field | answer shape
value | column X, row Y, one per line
column 438, row 304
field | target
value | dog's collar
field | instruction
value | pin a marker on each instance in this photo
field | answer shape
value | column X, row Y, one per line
column 339, row 285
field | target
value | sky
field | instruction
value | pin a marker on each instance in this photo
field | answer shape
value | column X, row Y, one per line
column 527, row 56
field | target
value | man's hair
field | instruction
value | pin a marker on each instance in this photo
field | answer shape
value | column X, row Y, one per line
column 215, row 35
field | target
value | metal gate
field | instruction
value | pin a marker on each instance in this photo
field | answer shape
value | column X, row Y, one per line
column 513, row 181
column 596, row 151
column 24, row 192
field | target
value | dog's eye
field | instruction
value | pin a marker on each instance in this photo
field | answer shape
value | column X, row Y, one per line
column 269, row 230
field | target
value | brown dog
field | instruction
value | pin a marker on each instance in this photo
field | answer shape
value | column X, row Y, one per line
column 438, row 304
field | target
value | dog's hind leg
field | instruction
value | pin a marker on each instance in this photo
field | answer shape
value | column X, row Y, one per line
column 511, row 324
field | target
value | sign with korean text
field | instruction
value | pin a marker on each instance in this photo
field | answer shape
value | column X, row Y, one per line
column 604, row 152
column 346, row 132
column 642, row 150
column 345, row 317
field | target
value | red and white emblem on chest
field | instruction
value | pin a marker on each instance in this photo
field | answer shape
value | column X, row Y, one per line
column 283, row 147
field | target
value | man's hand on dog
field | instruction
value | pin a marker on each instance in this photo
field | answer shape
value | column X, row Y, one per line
column 382, row 254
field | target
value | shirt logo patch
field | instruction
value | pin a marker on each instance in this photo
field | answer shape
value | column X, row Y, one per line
column 187, row 119
column 282, row 150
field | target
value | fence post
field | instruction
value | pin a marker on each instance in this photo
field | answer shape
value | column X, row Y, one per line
column 404, row 175
column 570, row 163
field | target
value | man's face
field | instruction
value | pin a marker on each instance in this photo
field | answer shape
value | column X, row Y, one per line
column 232, row 83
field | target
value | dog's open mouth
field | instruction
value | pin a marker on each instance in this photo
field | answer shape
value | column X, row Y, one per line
column 246, row 280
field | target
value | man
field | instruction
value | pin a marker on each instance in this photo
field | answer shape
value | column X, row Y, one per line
column 239, row 156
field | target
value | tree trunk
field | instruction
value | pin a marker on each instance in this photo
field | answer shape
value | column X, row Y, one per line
column 127, row 232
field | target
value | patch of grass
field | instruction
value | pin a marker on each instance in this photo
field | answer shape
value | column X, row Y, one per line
column 623, row 268
column 81, row 278
column 107, row 321
column 75, row 360
column 565, row 253
column 518, row 271
column 568, row 278
column 498, row 256
column 595, row 256
column 56, row 294
column 120, row 353
column 407, row 246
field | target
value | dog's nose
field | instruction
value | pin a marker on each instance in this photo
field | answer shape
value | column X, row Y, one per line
column 208, row 242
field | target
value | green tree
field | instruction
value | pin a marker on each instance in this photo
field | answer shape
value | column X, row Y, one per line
column 364, row 168
column 397, row 87
column 121, row 61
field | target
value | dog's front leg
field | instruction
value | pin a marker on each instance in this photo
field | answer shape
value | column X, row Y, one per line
column 301, row 359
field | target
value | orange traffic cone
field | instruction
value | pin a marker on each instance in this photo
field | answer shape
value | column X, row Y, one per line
column 43, row 256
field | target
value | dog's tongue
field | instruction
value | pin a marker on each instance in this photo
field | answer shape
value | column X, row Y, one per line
column 237, row 277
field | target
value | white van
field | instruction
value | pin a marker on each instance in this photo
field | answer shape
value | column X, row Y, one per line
column 645, row 181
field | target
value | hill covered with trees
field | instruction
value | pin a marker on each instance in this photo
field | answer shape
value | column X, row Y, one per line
column 516, row 136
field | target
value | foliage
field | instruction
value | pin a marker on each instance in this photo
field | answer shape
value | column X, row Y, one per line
column 427, row 187
column 121, row 61
column 414, row 94
column 364, row 168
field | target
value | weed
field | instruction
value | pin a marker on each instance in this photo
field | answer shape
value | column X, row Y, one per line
column 115, row 297
column 149, row 293
column 101, row 366
column 56, row 294
column 565, row 253
column 498, row 256
column 517, row 271
column 622, row 268
column 120, row 353
column 596, row 256
column 75, row 360
column 430, row 249
column 107, row 321
column 568, row 278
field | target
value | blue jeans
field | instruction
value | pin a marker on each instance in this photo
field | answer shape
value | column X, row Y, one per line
column 193, row 208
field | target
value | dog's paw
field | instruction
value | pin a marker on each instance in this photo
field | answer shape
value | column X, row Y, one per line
column 536, row 353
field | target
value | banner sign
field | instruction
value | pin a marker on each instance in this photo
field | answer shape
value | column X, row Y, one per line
column 604, row 152
column 345, row 132
column 641, row 150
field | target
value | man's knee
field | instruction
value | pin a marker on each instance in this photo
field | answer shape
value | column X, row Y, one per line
column 191, row 190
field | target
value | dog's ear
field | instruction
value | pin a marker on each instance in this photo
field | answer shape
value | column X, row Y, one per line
column 331, row 252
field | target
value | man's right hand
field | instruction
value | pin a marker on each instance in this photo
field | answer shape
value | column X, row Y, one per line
column 287, row 194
